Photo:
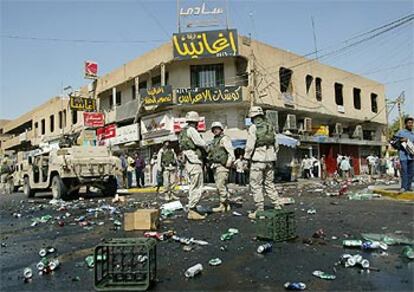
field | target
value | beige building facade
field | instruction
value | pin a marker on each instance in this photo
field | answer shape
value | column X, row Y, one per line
column 44, row 124
column 329, row 110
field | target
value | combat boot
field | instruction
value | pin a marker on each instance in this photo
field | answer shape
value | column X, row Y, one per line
column 277, row 207
column 224, row 207
column 194, row 215
column 252, row 216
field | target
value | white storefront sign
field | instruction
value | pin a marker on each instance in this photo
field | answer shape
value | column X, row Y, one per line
column 125, row 134
column 157, row 125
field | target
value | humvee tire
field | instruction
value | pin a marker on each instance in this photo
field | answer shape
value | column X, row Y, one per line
column 27, row 190
column 59, row 189
column 110, row 187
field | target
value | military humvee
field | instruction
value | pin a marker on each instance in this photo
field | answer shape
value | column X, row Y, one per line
column 67, row 169
column 21, row 167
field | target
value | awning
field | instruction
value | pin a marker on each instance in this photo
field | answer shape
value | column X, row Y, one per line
column 281, row 139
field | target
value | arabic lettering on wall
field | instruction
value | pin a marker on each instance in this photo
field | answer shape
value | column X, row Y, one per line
column 161, row 95
column 217, row 43
column 82, row 104
column 223, row 94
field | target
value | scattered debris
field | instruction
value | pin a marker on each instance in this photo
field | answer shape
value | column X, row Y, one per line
column 193, row 271
column 389, row 239
column 296, row 286
column 408, row 252
column 323, row 275
column 264, row 248
column 229, row 234
column 215, row 262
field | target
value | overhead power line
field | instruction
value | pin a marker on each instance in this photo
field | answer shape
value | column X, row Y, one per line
column 79, row 40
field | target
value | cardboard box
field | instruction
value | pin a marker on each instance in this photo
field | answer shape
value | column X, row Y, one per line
column 141, row 219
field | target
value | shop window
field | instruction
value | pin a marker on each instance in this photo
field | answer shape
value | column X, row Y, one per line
column 285, row 79
column 339, row 97
column 207, row 75
column 43, row 126
column 308, row 81
column 374, row 102
column 52, row 123
column 357, row 98
column 318, row 88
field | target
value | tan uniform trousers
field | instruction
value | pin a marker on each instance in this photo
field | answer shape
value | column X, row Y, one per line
column 261, row 183
column 221, row 175
column 169, row 181
column 195, row 178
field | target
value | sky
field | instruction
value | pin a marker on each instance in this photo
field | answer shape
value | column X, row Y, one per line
column 44, row 43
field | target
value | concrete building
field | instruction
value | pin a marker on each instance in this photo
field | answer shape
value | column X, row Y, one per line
column 44, row 124
column 328, row 109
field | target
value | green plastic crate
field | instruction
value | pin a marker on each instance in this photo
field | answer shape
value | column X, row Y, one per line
column 276, row 225
column 128, row 264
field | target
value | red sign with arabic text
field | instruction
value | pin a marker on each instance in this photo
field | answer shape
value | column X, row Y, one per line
column 106, row 132
column 93, row 120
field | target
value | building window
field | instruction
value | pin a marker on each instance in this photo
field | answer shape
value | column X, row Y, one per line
column 308, row 81
column 142, row 85
column 118, row 99
column 285, row 79
column 207, row 75
column 156, row 81
column 64, row 118
column 374, row 102
column 318, row 88
column 134, row 92
column 74, row 117
column 357, row 98
column 43, row 126
column 339, row 97
column 60, row 120
column 36, row 128
column 52, row 123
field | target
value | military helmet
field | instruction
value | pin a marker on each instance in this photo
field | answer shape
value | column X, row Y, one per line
column 255, row 111
column 192, row 117
column 216, row 125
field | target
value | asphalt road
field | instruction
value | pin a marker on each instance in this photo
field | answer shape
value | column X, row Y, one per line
column 242, row 267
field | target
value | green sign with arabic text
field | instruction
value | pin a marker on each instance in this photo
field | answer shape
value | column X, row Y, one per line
column 216, row 43
column 221, row 94
column 160, row 95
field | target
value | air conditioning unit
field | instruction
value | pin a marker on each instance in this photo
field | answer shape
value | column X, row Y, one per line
column 338, row 129
column 290, row 122
column 273, row 118
column 358, row 132
column 307, row 125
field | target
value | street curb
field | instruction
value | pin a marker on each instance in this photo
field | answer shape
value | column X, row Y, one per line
column 149, row 190
column 395, row 195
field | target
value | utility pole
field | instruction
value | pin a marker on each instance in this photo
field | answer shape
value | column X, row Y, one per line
column 399, row 101
column 253, row 79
